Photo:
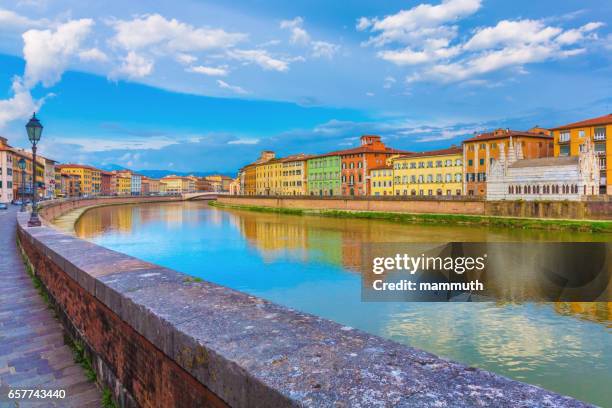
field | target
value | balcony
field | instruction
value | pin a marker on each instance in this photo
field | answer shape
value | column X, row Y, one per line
column 600, row 136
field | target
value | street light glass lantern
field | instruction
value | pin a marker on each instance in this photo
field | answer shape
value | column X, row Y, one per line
column 34, row 129
column 22, row 163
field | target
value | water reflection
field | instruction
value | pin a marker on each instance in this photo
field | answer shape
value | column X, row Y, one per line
column 312, row 264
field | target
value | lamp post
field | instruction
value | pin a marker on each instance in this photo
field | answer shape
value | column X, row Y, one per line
column 34, row 129
column 22, row 165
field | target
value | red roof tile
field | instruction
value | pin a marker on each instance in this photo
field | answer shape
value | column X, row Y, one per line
column 502, row 134
column 601, row 120
column 439, row 152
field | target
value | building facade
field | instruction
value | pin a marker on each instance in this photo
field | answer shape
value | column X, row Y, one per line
column 6, row 172
column 511, row 177
column 294, row 173
column 324, row 175
column 435, row 172
column 249, row 182
column 235, row 185
column 570, row 141
column 480, row 151
column 123, row 183
column 356, row 162
column 108, row 183
column 268, row 177
column 381, row 181
column 90, row 177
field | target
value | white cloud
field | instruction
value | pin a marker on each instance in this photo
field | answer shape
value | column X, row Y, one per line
column 186, row 59
column 243, row 142
column 422, row 21
column 298, row 33
column 47, row 53
column 318, row 48
column 233, row 88
column 511, row 33
column 9, row 20
column 171, row 36
column 426, row 37
column 93, row 54
column 261, row 58
column 324, row 49
column 211, row 71
column 20, row 106
column 91, row 145
column 576, row 35
column 133, row 66
column 388, row 82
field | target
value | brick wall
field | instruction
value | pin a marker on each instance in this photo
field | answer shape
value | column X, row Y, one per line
column 128, row 362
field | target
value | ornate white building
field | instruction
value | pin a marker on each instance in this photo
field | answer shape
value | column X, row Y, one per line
column 552, row 178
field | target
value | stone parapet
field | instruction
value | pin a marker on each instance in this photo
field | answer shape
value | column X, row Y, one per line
column 160, row 340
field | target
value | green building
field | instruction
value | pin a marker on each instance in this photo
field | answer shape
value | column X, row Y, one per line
column 324, row 175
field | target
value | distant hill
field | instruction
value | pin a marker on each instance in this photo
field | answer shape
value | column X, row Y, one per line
column 160, row 173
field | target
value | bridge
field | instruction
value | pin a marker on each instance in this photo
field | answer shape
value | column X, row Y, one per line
column 201, row 195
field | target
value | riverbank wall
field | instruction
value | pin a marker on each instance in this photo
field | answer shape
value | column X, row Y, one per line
column 158, row 338
column 573, row 210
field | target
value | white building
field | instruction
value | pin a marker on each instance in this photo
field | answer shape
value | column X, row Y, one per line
column 6, row 172
column 136, row 184
column 551, row 178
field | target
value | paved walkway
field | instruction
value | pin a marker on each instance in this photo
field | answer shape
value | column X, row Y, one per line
column 32, row 350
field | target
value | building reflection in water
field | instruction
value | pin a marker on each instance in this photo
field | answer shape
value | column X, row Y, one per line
column 334, row 241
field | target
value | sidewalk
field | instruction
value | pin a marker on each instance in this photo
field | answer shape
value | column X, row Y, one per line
column 32, row 350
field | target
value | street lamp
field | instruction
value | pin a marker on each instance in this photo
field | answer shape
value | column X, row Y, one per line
column 34, row 129
column 22, row 165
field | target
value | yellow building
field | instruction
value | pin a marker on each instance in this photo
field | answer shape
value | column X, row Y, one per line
column 123, row 184
column 178, row 184
column 436, row 172
column 269, row 177
column 381, row 180
column 570, row 138
column 90, row 178
column 293, row 178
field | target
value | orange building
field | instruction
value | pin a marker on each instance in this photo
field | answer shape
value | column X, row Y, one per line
column 357, row 162
column 570, row 140
column 480, row 151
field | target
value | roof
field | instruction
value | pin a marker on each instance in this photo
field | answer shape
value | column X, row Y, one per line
column 502, row 134
column 367, row 149
column 381, row 168
column 76, row 166
column 439, row 152
column 545, row 162
column 296, row 157
column 601, row 120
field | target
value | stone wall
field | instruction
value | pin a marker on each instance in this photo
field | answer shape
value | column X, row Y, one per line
column 159, row 339
column 600, row 209
column 392, row 204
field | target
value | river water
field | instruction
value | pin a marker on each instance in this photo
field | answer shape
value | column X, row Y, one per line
column 312, row 264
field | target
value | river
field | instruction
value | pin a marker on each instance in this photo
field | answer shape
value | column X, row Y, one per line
column 312, row 264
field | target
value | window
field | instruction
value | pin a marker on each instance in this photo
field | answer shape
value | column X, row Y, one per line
column 413, row 165
column 564, row 136
column 600, row 133
column 470, row 162
column 600, row 147
column 481, row 161
column 439, row 163
column 458, row 162
column 429, row 164
column 429, row 178
column 438, row 178
column 581, row 133
column 564, row 150
column 421, row 165
column 413, row 179
column 449, row 178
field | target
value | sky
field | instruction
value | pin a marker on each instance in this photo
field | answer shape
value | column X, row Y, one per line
column 192, row 85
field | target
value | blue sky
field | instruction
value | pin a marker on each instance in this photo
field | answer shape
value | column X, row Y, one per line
column 200, row 86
